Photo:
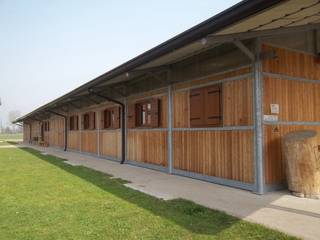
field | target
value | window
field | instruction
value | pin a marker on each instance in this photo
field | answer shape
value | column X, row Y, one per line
column 89, row 121
column 46, row 126
column 205, row 107
column 74, row 123
column 110, row 118
column 143, row 111
column 144, row 114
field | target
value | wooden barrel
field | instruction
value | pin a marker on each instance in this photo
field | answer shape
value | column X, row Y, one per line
column 302, row 159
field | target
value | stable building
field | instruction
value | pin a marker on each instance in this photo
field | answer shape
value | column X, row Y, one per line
column 212, row 103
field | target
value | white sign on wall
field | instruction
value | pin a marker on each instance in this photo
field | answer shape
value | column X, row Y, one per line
column 270, row 118
column 275, row 109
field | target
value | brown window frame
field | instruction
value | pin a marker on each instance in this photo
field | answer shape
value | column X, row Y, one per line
column 74, row 123
column 111, row 118
column 88, row 121
column 46, row 126
column 107, row 119
column 143, row 114
column 204, row 107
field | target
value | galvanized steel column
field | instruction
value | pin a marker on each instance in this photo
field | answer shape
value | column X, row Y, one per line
column 170, row 155
column 258, row 121
column 125, row 102
column 98, row 124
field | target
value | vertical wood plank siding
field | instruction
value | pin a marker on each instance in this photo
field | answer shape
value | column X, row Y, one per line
column 291, row 63
column 56, row 134
column 110, row 143
column 148, row 147
column 89, row 141
column 298, row 101
column 225, row 154
column 181, row 109
column 26, row 133
column 237, row 103
column 74, row 140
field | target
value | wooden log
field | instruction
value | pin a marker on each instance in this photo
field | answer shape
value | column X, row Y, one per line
column 302, row 159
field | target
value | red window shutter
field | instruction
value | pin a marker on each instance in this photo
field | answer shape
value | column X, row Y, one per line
column 131, row 118
column 116, row 121
column 212, row 97
column 196, row 108
column 102, row 119
column 155, row 112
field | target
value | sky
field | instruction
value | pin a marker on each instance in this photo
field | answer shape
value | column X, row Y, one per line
column 50, row 47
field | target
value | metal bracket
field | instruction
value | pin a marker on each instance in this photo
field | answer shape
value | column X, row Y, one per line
column 244, row 49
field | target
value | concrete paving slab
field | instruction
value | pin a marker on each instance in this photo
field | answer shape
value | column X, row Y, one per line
column 278, row 210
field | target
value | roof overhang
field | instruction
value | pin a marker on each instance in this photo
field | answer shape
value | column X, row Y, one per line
column 244, row 20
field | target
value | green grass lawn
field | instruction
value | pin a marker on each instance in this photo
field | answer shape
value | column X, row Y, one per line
column 43, row 198
column 14, row 136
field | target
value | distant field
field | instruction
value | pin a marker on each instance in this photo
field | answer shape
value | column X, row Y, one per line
column 16, row 136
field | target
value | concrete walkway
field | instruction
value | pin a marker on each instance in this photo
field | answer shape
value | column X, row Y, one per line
column 278, row 210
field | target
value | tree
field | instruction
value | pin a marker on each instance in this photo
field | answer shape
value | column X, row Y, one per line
column 13, row 115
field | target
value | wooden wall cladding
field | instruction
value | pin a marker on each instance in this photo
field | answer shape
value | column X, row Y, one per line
column 298, row 101
column 26, row 133
column 237, row 104
column 74, row 140
column 56, row 138
column 212, row 78
column 164, row 112
column 56, row 133
column 225, row 154
column 35, row 129
column 181, row 109
column 46, row 137
column 148, row 147
column 291, row 63
column 89, row 141
column 110, row 143
column 274, row 165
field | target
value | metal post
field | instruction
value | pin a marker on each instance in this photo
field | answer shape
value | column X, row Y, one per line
column 170, row 155
column 98, row 131
column 80, row 131
column 258, row 121
column 125, row 102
